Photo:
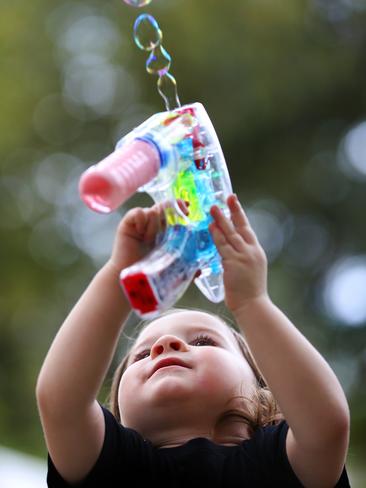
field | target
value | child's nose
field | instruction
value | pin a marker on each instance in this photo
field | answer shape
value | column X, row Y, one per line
column 167, row 343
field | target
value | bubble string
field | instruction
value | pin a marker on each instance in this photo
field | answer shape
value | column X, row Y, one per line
column 148, row 37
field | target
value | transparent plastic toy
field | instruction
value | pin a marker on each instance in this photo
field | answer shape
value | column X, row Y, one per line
column 172, row 156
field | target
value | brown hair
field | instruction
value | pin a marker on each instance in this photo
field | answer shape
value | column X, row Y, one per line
column 258, row 411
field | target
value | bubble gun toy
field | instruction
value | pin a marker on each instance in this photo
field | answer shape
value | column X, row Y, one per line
column 174, row 155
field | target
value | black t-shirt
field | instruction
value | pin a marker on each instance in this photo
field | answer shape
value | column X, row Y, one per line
column 128, row 460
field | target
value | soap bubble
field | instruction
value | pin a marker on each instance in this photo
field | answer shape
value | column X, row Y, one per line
column 146, row 32
column 158, row 62
column 137, row 3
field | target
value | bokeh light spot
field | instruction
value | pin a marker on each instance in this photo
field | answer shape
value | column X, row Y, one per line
column 137, row 3
column 94, row 233
column 344, row 291
column 309, row 241
column 52, row 175
column 353, row 152
column 91, row 35
column 59, row 252
column 268, row 217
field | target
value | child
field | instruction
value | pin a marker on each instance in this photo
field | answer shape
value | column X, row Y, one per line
column 190, row 405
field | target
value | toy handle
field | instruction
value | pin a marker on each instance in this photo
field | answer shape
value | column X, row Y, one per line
column 106, row 185
column 157, row 281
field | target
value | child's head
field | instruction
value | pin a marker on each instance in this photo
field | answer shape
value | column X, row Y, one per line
column 189, row 367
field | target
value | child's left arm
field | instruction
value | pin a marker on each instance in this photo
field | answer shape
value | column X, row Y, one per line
column 308, row 392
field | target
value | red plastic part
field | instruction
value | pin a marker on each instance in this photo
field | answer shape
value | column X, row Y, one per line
column 139, row 292
column 197, row 143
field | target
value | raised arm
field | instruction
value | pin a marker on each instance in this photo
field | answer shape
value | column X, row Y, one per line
column 304, row 385
column 82, row 351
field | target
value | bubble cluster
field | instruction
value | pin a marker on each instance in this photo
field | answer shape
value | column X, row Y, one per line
column 148, row 37
column 137, row 3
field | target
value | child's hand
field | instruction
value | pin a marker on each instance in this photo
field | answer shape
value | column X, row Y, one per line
column 243, row 259
column 136, row 234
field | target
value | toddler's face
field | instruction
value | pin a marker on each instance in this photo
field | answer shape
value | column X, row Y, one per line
column 185, row 363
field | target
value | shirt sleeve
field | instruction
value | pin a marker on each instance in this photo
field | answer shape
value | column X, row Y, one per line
column 272, row 445
column 119, row 442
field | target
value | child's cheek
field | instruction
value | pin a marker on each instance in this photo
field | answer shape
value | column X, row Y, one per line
column 215, row 369
column 220, row 371
column 127, row 388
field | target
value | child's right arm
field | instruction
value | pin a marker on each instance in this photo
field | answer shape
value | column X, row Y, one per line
column 82, row 351
column 306, row 389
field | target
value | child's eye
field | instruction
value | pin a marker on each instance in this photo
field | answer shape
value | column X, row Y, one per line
column 141, row 355
column 203, row 340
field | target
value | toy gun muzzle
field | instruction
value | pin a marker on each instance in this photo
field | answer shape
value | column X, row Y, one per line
column 135, row 162
column 114, row 180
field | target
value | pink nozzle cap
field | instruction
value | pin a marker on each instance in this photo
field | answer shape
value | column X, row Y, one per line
column 106, row 185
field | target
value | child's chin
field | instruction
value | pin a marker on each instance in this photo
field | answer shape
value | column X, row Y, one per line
column 170, row 387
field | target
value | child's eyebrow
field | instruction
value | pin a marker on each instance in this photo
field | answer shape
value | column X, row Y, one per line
column 146, row 343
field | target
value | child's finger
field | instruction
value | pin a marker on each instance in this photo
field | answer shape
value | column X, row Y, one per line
column 248, row 235
column 225, row 249
column 159, row 209
column 154, row 224
column 238, row 215
column 228, row 229
column 225, row 225
column 139, row 220
column 240, row 220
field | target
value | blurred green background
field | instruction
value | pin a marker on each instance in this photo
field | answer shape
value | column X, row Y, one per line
column 284, row 84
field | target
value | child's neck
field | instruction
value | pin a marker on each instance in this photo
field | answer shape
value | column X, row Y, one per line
column 230, row 431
